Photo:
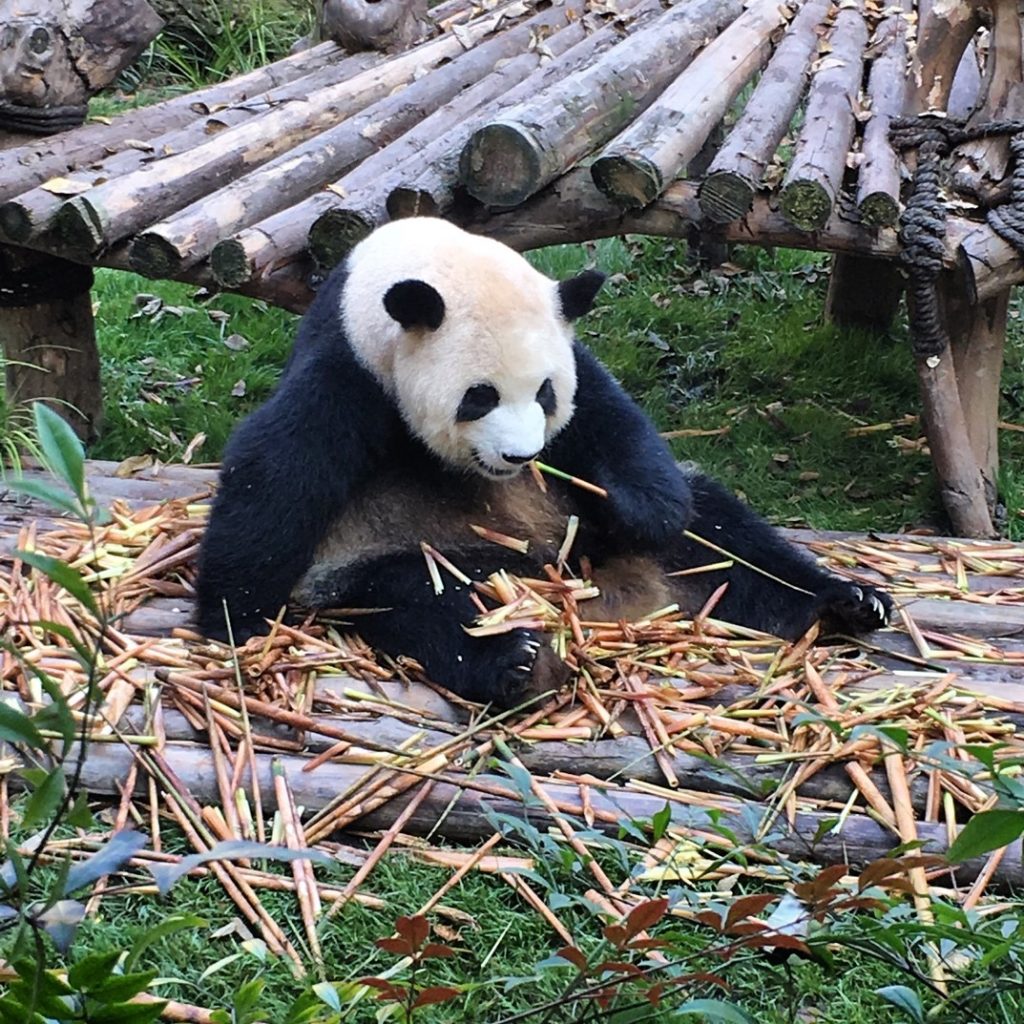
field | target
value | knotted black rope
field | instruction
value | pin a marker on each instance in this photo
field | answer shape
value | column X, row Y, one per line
column 923, row 224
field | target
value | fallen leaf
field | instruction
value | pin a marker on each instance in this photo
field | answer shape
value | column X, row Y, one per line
column 193, row 446
column 235, row 342
column 239, row 389
column 132, row 465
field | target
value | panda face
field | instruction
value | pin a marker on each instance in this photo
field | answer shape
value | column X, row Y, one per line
column 474, row 345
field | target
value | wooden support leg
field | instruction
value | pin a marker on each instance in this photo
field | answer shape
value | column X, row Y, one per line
column 863, row 292
column 977, row 338
column 49, row 336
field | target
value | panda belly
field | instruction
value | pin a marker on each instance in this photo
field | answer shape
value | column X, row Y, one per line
column 399, row 511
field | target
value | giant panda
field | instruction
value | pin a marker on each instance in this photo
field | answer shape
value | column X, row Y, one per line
column 431, row 368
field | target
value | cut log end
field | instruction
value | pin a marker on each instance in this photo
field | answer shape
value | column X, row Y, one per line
column 412, row 202
column 15, row 222
column 230, row 263
column 502, row 165
column 629, row 180
column 154, row 256
column 335, row 233
column 879, row 210
column 725, row 196
column 806, row 205
column 79, row 226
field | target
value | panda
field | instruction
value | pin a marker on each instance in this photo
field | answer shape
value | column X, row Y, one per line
column 431, row 368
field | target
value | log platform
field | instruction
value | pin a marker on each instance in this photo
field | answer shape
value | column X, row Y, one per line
column 785, row 740
column 539, row 123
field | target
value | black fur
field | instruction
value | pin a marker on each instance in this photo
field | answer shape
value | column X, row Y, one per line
column 292, row 466
column 415, row 304
column 577, row 293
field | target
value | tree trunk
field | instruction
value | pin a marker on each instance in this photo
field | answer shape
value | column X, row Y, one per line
column 385, row 25
column 656, row 148
column 510, row 159
column 728, row 190
column 816, row 171
column 49, row 338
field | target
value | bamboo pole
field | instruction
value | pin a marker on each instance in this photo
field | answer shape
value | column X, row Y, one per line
column 190, row 234
column 878, row 179
column 815, row 174
column 656, row 148
column 117, row 209
column 510, row 159
column 735, row 174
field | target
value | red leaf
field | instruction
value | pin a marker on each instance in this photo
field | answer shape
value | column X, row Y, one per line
column 615, row 934
column 436, row 994
column 710, row 919
column 779, row 941
column 654, row 993
column 575, row 957
column 435, row 949
column 747, row 906
column 388, row 990
column 400, row 947
column 414, row 929
column 648, row 944
column 617, row 967
column 877, row 870
column 645, row 915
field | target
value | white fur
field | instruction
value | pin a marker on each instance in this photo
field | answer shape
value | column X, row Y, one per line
column 503, row 326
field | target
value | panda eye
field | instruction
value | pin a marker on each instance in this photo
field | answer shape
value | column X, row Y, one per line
column 476, row 403
column 546, row 397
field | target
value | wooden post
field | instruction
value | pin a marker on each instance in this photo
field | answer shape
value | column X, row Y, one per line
column 53, row 57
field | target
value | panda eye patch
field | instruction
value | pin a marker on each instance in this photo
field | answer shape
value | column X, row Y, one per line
column 477, row 402
column 546, row 397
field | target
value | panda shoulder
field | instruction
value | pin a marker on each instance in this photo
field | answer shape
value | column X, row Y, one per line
column 322, row 325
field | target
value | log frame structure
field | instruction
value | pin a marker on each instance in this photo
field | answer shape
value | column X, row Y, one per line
column 542, row 122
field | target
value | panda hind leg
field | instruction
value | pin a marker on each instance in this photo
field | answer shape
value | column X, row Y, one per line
column 415, row 622
column 788, row 609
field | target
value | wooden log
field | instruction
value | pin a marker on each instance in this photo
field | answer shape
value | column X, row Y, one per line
column 966, row 91
column 515, row 156
column 187, row 237
column 656, row 148
column 116, row 209
column 944, row 29
column 986, row 262
column 49, row 337
column 28, row 166
column 858, row 842
column 385, row 25
column 26, row 217
column 878, row 177
column 441, row 136
column 728, row 189
column 53, row 57
column 982, row 166
column 811, row 185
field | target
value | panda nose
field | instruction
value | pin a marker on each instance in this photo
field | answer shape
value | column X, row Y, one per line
column 518, row 460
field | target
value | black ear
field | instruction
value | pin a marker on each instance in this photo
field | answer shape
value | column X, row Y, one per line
column 415, row 304
column 577, row 293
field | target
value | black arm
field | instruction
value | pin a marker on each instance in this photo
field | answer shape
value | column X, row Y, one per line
column 288, row 471
column 612, row 443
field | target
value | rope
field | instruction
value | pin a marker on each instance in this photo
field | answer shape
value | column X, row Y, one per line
column 14, row 117
column 923, row 224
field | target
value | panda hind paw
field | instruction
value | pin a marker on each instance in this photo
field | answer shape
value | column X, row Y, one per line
column 850, row 608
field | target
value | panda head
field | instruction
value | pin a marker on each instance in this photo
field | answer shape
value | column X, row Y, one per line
column 474, row 345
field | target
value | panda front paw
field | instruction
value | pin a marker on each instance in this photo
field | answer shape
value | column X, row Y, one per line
column 851, row 608
column 510, row 666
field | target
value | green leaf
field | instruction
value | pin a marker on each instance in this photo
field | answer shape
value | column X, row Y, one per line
column 119, row 988
column 986, row 831
column 905, row 999
column 62, row 574
column 44, row 492
column 45, row 799
column 328, row 995
column 80, row 816
column 93, row 969
column 17, row 727
column 660, row 821
column 714, row 1011
column 62, row 451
